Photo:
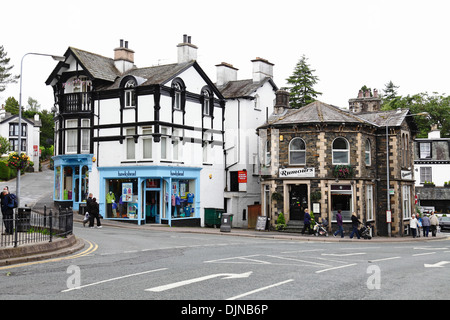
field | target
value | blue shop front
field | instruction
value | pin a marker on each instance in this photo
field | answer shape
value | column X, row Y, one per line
column 150, row 194
column 71, row 179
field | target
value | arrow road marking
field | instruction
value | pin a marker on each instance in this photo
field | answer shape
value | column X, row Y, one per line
column 212, row 276
column 436, row 265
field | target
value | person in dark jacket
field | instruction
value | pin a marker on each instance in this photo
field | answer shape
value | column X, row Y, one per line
column 306, row 222
column 340, row 224
column 355, row 225
column 94, row 213
column 7, row 211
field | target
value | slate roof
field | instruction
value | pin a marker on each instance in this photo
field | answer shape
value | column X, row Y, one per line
column 321, row 113
column 14, row 118
column 98, row 66
column 243, row 88
column 155, row 75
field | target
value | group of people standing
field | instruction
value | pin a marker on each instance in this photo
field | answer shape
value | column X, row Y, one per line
column 426, row 223
column 92, row 211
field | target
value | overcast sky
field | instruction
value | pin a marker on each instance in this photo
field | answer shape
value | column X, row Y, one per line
column 349, row 43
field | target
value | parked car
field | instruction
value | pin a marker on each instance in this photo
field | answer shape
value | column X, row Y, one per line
column 444, row 223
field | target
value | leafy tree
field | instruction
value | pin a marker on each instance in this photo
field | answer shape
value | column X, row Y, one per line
column 12, row 105
column 5, row 75
column 33, row 105
column 302, row 84
column 437, row 106
column 390, row 91
column 5, row 146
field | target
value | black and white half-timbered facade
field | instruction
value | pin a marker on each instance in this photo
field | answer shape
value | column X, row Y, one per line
column 147, row 142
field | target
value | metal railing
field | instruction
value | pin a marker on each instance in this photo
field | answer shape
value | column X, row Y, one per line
column 30, row 226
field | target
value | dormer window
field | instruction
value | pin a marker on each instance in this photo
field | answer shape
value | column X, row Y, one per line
column 206, row 94
column 178, row 94
column 130, row 93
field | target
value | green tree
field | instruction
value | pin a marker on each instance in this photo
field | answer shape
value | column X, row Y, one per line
column 437, row 106
column 5, row 75
column 302, row 84
column 33, row 105
column 12, row 105
column 5, row 146
column 390, row 91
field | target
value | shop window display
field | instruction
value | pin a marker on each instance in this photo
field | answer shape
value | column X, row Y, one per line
column 122, row 198
column 182, row 199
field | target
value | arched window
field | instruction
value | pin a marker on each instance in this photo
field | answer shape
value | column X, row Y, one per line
column 130, row 93
column 368, row 153
column 297, row 151
column 178, row 94
column 341, row 151
column 206, row 94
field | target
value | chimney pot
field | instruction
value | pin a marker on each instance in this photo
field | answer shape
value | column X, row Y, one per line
column 189, row 39
column 184, row 38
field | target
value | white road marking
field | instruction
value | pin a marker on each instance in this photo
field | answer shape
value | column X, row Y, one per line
column 259, row 290
column 343, row 254
column 114, row 279
column 384, row 259
column 334, row 268
column 190, row 281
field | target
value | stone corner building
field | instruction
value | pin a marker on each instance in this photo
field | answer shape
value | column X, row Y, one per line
column 325, row 158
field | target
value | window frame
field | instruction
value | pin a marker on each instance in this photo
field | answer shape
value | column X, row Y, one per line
column 129, row 141
column 368, row 153
column 346, row 150
column 73, row 130
column 303, row 151
column 206, row 103
column 130, row 94
column 425, row 154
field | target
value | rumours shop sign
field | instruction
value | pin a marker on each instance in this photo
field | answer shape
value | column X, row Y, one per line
column 297, row 173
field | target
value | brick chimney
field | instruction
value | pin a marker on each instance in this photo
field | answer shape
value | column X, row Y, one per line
column 281, row 102
column 225, row 73
column 365, row 102
column 123, row 57
column 262, row 69
column 186, row 50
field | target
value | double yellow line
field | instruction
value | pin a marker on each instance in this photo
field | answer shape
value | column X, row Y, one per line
column 92, row 248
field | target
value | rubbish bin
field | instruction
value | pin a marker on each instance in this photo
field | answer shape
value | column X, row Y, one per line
column 226, row 221
column 23, row 219
column 82, row 209
column 212, row 217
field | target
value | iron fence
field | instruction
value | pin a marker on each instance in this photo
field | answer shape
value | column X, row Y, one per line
column 27, row 226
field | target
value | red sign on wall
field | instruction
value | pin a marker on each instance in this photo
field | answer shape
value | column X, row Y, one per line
column 242, row 176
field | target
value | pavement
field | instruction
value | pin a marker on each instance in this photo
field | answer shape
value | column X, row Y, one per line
column 36, row 192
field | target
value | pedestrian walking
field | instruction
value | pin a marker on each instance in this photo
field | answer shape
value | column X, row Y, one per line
column 306, row 222
column 7, row 211
column 425, row 225
column 86, row 216
column 94, row 213
column 340, row 224
column 355, row 225
column 413, row 225
column 434, row 222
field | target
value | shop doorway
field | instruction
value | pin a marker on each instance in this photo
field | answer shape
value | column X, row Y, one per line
column 298, row 201
column 342, row 199
column 152, row 206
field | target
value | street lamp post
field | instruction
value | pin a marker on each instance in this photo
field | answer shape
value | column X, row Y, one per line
column 388, row 210
column 19, row 138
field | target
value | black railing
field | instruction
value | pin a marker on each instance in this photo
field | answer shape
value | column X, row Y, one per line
column 76, row 102
column 29, row 226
